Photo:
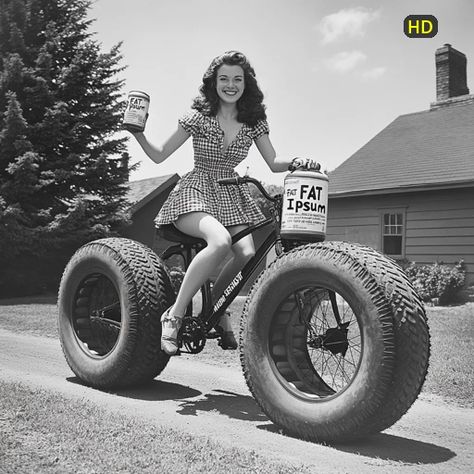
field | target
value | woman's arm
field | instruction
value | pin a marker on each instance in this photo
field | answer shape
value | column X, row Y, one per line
column 159, row 154
column 276, row 163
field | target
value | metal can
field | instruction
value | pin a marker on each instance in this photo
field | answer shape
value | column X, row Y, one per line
column 305, row 205
column 136, row 113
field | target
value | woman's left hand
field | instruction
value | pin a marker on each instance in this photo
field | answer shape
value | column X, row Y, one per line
column 304, row 163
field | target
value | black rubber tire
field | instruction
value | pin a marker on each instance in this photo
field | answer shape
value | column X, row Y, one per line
column 277, row 359
column 123, row 350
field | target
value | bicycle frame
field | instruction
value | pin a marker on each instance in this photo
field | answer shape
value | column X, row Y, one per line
column 211, row 313
column 196, row 329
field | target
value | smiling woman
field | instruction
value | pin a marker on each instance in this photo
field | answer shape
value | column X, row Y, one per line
column 226, row 118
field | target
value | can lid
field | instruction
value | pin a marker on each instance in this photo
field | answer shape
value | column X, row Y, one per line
column 139, row 93
column 303, row 173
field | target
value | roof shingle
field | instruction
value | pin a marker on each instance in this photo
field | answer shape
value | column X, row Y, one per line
column 142, row 191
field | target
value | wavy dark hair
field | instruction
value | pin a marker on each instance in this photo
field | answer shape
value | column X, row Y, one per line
column 250, row 107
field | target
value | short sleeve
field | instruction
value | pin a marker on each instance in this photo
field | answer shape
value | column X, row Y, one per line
column 261, row 128
column 190, row 122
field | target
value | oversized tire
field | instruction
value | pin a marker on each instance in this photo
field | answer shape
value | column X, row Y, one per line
column 334, row 342
column 111, row 297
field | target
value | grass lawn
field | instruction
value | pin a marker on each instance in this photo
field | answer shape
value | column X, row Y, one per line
column 451, row 372
column 84, row 438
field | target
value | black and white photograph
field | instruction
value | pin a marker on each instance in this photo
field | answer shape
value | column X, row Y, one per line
column 236, row 236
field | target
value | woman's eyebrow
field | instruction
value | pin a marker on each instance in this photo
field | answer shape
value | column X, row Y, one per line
column 236, row 76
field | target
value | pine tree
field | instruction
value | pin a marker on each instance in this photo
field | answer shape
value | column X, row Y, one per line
column 63, row 171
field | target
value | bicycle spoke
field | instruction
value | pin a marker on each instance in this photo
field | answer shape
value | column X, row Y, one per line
column 334, row 335
column 332, row 342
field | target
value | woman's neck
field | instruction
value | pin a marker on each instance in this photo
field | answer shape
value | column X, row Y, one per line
column 227, row 111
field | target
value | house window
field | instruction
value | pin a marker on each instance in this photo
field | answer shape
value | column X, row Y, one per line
column 393, row 231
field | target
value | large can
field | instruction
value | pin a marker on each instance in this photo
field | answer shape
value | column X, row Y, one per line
column 136, row 112
column 305, row 206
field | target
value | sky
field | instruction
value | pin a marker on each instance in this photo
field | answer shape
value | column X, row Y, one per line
column 333, row 73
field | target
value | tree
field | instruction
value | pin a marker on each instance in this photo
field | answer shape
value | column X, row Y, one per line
column 63, row 171
column 264, row 204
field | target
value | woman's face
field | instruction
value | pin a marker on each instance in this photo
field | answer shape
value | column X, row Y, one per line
column 230, row 83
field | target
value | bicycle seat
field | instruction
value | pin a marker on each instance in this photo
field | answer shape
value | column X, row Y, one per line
column 171, row 233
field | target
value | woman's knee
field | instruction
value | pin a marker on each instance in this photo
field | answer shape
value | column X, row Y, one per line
column 208, row 228
column 220, row 242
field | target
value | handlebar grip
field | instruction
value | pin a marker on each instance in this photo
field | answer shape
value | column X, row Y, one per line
column 224, row 181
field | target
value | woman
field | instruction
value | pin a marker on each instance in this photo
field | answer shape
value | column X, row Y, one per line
column 226, row 118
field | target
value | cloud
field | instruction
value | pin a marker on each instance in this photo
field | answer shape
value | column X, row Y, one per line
column 347, row 23
column 374, row 73
column 345, row 61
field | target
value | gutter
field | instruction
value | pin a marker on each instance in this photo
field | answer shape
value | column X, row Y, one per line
column 401, row 189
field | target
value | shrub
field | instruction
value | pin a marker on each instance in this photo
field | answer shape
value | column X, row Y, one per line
column 438, row 283
column 176, row 275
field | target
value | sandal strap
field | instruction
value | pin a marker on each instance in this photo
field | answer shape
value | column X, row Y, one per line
column 173, row 321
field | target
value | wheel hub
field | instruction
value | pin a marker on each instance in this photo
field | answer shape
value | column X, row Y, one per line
column 333, row 340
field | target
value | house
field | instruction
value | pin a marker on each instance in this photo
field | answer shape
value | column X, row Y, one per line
column 409, row 192
column 146, row 197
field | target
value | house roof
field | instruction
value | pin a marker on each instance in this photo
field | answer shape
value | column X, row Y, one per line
column 143, row 191
column 423, row 150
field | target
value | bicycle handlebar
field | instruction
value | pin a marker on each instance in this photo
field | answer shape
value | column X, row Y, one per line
column 246, row 179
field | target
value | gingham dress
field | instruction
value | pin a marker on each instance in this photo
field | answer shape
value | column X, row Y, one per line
column 198, row 189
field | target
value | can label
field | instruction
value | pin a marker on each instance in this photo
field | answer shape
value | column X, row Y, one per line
column 305, row 204
column 137, row 110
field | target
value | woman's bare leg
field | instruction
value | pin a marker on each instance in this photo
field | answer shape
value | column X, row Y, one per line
column 242, row 252
column 206, row 227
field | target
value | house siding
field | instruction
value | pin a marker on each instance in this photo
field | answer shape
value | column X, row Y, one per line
column 439, row 225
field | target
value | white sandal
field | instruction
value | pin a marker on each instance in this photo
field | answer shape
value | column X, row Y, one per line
column 170, row 326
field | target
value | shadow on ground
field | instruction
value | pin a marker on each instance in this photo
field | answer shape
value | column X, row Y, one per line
column 243, row 407
column 233, row 405
column 155, row 391
column 388, row 447
column 230, row 404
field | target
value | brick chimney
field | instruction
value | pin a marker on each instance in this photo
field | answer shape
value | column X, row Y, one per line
column 450, row 73
column 451, row 79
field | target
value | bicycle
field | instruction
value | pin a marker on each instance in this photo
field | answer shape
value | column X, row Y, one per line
column 334, row 340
